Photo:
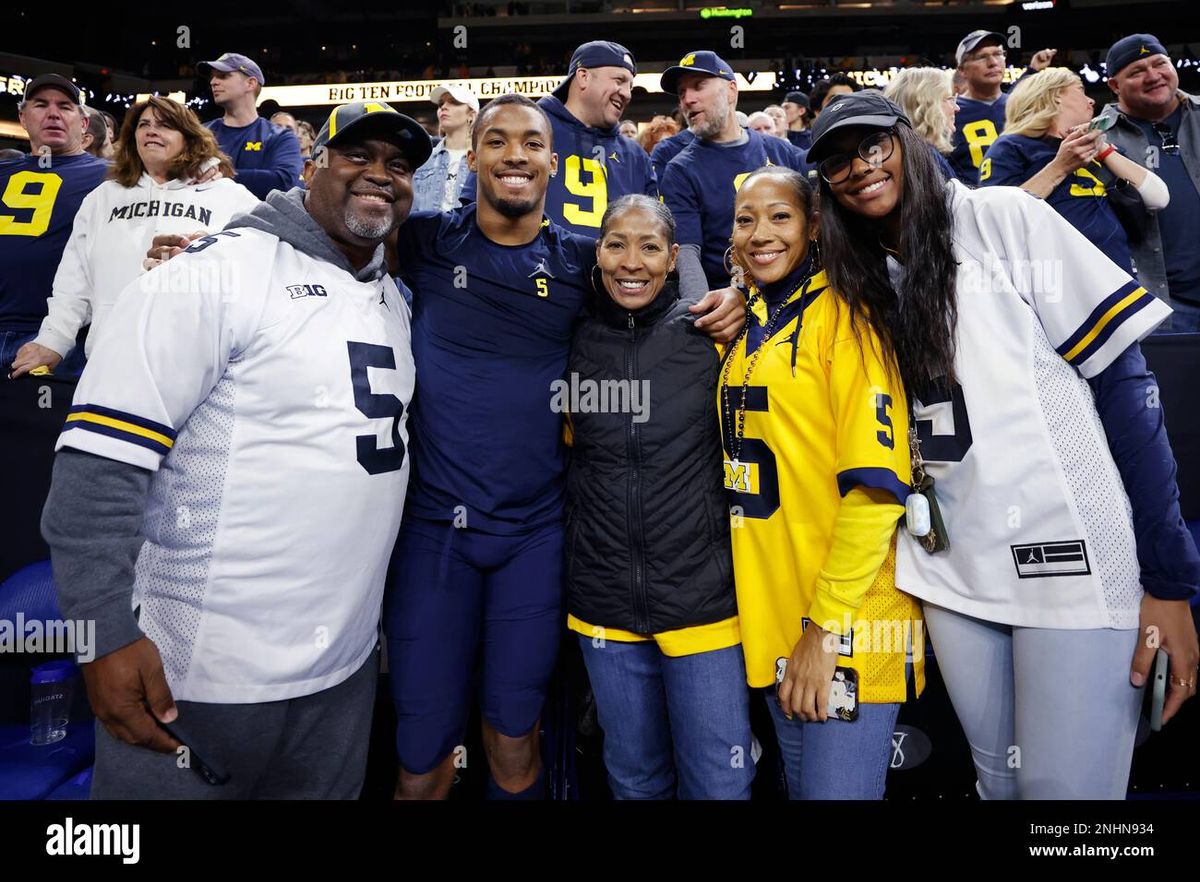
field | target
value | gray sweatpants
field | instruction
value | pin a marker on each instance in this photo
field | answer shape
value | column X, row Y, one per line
column 312, row 747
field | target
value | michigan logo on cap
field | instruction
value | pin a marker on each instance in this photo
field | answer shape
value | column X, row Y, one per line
column 369, row 107
column 688, row 60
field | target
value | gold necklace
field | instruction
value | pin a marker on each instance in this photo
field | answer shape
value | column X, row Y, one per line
column 739, row 432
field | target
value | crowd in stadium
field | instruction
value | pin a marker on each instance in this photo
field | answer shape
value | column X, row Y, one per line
column 745, row 401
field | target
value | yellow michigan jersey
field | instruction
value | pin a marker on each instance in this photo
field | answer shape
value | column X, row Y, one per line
column 823, row 416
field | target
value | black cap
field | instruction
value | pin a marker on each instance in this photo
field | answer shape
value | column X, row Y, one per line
column 856, row 109
column 597, row 53
column 1129, row 49
column 703, row 62
column 796, row 98
column 52, row 80
column 384, row 120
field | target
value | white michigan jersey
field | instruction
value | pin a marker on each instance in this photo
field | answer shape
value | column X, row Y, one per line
column 271, row 400
column 1038, row 520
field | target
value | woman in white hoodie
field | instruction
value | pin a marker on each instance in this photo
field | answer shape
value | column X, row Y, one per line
column 168, row 176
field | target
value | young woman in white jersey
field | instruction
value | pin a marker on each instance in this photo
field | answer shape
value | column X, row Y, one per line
column 1061, row 556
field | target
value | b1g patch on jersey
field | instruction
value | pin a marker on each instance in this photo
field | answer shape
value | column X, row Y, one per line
column 1051, row 559
column 306, row 291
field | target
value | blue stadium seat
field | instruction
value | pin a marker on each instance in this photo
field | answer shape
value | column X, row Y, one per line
column 55, row 771
column 30, row 590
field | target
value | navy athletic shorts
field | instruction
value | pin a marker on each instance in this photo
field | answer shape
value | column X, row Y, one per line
column 466, row 608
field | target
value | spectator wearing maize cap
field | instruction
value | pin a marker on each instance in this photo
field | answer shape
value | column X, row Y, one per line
column 699, row 184
column 439, row 182
column 265, row 156
column 1157, row 125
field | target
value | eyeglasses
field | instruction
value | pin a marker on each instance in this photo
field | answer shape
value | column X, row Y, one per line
column 875, row 149
column 1169, row 142
column 985, row 57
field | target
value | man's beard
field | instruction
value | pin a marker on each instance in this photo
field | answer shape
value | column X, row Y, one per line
column 510, row 208
column 714, row 120
column 366, row 229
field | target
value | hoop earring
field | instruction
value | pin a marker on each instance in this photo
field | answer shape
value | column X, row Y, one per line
column 736, row 272
column 816, row 254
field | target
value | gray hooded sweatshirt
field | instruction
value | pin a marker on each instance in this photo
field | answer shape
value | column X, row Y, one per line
column 93, row 515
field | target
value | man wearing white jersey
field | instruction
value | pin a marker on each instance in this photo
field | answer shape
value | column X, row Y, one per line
column 230, row 484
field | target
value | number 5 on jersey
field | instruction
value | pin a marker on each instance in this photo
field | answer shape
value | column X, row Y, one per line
column 376, row 406
column 752, row 480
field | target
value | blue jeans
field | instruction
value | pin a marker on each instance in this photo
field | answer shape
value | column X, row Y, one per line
column 1185, row 318
column 11, row 341
column 666, row 718
column 836, row 759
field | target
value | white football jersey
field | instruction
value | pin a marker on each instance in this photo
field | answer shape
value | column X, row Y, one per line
column 1039, row 523
column 272, row 404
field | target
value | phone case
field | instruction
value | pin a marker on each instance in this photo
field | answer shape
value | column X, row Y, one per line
column 1158, row 686
column 843, row 694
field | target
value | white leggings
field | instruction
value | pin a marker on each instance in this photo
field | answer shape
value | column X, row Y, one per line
column 1049, row 714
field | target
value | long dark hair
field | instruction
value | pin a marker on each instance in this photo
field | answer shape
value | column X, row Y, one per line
column 917, row 326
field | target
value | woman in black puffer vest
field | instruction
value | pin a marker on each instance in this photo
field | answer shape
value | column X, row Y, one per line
column 649, row 573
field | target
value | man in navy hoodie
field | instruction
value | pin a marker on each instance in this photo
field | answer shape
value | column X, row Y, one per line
column 265, row 156
column 596, row 166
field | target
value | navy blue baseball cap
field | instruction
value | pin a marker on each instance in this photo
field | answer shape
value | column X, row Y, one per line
column 1129, row 49
column 866, row 108
column 231, row 61
column 384, row 121
column 597, row 53
column 703, row 62
column 797, row 98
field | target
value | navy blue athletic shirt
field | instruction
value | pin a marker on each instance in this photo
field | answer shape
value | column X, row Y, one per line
column 1081, row 197
column 491, row 331
column 37, row 212
column 265, row 156
column 668, row 148
column 699, row 186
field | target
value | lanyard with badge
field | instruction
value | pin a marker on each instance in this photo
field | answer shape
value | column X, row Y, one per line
column 922, row 514
column 737, row 431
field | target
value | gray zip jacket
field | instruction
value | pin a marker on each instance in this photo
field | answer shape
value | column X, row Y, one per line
column 1148, row 256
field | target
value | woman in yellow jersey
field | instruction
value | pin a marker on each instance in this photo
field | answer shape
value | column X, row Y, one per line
column 649, row 576
column 816, row 453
